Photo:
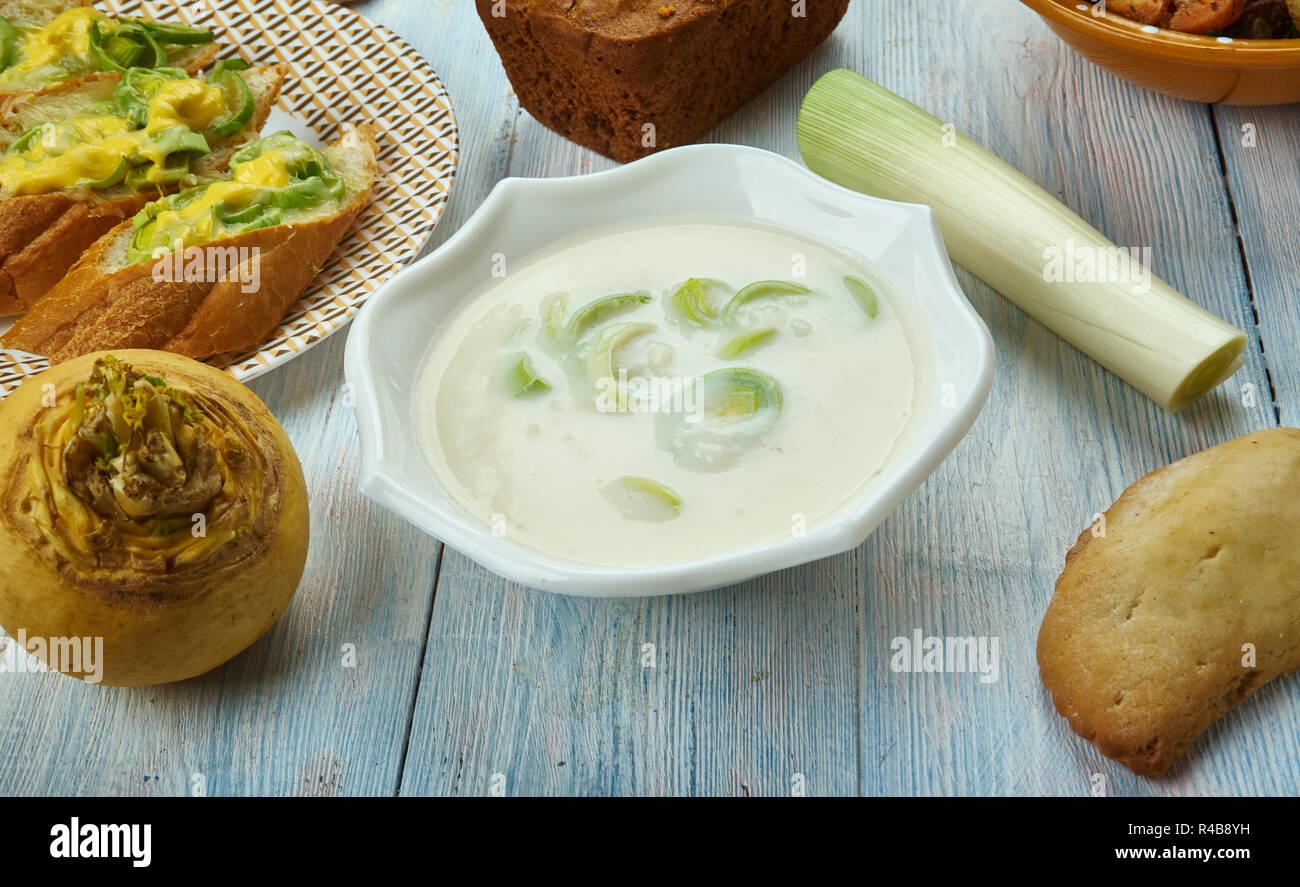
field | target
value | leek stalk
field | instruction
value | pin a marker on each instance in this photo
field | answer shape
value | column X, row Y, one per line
column 1007, row 231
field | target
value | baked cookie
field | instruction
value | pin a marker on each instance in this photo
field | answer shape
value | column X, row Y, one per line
column 1183, row 603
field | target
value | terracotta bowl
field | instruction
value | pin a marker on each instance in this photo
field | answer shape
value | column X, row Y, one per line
column 1188, row 66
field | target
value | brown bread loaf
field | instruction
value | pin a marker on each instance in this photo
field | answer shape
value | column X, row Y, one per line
column 627, row 78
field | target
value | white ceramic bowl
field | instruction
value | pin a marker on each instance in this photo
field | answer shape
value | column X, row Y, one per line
column 951, row 347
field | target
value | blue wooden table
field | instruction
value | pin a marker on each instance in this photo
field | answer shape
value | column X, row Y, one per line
column 465, row 684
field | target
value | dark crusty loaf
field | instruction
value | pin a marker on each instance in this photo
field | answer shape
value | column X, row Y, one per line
column 630, row 77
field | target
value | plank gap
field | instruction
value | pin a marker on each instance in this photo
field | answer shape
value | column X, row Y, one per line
column 419, row 672
column 1245, row 263
column 859, row 660
column 514, row 137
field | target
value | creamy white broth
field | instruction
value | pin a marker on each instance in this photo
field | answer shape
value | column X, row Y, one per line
column 544, row 469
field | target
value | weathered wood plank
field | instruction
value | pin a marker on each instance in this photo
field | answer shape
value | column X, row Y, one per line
column 978, row 550
column 1261, row 151
column 748, row 687
column 974, row 553
column 285, row 717
column 788, row 674
column 752, row 685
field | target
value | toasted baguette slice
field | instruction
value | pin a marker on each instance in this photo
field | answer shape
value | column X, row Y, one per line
column 42, row 235
column 105, row 303
column 41, row 12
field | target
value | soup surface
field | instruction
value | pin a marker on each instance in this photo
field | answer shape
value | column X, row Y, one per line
column 666, row 393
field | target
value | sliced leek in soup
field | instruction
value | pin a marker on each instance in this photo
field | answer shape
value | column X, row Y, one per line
column 667, row 393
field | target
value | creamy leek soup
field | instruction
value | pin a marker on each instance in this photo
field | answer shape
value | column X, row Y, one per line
column 666, row 393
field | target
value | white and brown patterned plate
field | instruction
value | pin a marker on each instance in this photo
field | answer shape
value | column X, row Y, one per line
column 343, row 70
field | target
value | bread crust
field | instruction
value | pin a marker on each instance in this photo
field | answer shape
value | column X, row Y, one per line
column 43, row 235
column 1142, row 646
column 99, row 306
column 600, row 72
column 229, row 319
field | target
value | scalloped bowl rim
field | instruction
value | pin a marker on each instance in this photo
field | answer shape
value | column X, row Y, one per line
column 851, row 524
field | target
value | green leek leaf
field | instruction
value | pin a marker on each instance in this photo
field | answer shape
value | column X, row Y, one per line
column 596, row 312
column 761, row 290
column 692, row 300
column 864, row 295
column 745, row 340
column 639, row 498
column 601, row 355
column 522, row 380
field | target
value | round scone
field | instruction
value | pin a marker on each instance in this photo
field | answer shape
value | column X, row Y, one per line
column 151, row 502
column 1182, row 604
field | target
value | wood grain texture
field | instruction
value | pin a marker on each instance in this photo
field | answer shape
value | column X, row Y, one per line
column 977, row 551
column 753, row 689
column 748, row 687
column 285, row 717
column 783, row 682
column 1261, row 152
column 555, row 697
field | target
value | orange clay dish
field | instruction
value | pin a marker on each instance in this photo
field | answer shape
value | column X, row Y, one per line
column 1233, row 68
column 1239, row 19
